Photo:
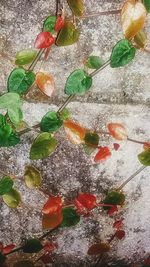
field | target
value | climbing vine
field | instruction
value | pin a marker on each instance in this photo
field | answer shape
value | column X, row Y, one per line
column 60, row 30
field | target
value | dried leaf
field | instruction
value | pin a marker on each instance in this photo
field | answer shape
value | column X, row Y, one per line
column 45, row 83
column 74, row 131
column 32, row 177
column 133, row 18
column 52, row 221
column 98, row 249
column 118, row 131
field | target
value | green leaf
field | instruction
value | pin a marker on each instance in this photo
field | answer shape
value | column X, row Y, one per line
column 49, row 24
column 70, row 217
column 77, row 7
column 24, row 263
column 20, row 81
column 88, row 149
column 64, row 114
column 68, row 35
column 7, row 135
column 144, row 157
column 32, row 177
column 122, row 54
column 114, row 198
column 6, row 184
column 91, row 139
column 94, row 62
column 79, row 82
column 51, row 122
column 25, row 57
column 43, row 146
column 2, row 258
column 12, row 199
column 32, row 245
column 13, row 104
column 147, row 5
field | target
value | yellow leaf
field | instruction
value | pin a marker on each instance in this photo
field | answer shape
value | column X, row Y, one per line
column 133, row 17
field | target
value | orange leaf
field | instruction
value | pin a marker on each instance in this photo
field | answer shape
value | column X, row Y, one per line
column 52, row 206
column 45, row 83
column 74, row 131
column 49, row 222
column 146, row 145
column 98, row 249
column 103, row 154
column 133, row 17
column 117, row 130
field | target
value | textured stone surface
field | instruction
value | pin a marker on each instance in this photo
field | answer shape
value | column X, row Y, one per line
column 117, row 95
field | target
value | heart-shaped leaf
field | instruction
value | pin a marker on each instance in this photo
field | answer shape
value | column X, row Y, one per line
column 13, row 104
column 133, row 17
column 25, row 57
column 144, row 157
column 94, row 62
column 32, row 245
column 51, row 122
column 44, row 40
column 32, row 177
column 77, row 7
column 68, row 35
column 87, row 200
column 20, row 81
column 79, row 82
column 53, row 205
column 118, row 131
column 102, row 154
column 7, row 135
column 12, row 199
column 122, row 54
column 49, row 24
column 24, row 263
column 43, row 146
column 6, row 184
column 147, row 5
column 98, row 248
column 45, row 83
column 51, row 221
column 70, row 217
column 114, row 198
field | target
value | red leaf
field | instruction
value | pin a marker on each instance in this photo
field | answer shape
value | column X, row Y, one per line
column 116, row 146
column 87, row 200
column 117, row 130
column 80, row 208
column 59, row 23
column 112, row 210
column 53, row 206
column 44, row 40
column 120, row 234
column 103, row 154
column 8, row 248
column 118, row 224
column 46, row 259
column 49, row 247
column 47, row 52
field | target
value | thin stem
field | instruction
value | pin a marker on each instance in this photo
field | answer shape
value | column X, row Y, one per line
column 130, row 178
column 135, row 141
column 29, row 129
column 33, row 64
column 14, row 250
column 93, row 15
column 65, row 103
column 100, row 69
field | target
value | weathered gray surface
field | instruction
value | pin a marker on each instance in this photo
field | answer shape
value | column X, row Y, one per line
column 69, row 170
